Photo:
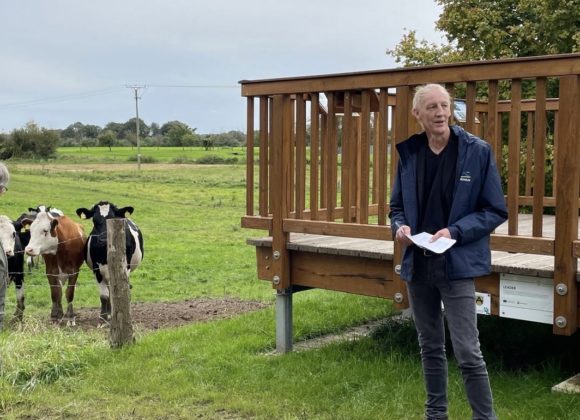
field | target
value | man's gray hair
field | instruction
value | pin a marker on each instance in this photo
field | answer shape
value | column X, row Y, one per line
column 421, row 91
column 4, row 175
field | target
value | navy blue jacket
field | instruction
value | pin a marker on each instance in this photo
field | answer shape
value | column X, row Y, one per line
column 478, row 205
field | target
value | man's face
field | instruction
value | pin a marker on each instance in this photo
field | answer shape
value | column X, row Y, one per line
column 434, row 112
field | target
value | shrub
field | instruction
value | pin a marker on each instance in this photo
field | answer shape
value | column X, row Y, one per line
column 144, row 159
column 181, row 159
column 213, row 160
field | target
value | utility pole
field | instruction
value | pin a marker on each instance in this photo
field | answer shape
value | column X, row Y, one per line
column 137, row 97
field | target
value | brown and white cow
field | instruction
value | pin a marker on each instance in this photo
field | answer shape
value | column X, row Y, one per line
column 61, row 243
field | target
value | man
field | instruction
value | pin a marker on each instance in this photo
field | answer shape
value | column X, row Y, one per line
column 4, row 178
column 447, row 184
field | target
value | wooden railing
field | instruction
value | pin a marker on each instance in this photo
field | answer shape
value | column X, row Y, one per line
column 324, row 149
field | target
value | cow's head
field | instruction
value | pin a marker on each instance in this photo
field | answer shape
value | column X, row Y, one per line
column 43, row 237
column 7, row 235
column 42, row 208
column 102, row 211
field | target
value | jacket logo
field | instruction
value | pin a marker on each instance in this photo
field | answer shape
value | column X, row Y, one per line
column 465, row 177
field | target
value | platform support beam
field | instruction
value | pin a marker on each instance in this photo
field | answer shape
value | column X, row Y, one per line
column 284, row 320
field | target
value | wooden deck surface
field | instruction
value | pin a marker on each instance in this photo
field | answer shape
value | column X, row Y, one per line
column 502, row 262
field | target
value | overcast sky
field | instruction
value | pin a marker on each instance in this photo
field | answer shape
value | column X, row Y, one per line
column 63, row 61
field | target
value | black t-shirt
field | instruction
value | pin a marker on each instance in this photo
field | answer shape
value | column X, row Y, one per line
column 436, row 185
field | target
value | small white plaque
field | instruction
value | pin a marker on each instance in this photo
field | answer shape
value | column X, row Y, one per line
column 526, row 298
column 483, row 303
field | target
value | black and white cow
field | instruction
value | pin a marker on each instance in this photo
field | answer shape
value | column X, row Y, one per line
column 96, row 246
column 14, row 252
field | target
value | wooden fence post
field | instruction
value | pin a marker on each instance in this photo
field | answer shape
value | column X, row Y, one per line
column 121, row 332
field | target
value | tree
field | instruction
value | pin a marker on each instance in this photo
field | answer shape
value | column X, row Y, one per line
column 177, row 133
column 73, row 131
column 188, row 140
column 34, row 142
column 170, row 124
column 78, row 130
column 92, row 131
column 131, row 127
column 155, row 129
column 488, row 29
column 107, row 139
column 115, row 127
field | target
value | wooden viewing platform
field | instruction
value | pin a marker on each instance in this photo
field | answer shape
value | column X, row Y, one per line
column 321, row 161
column 501, row 262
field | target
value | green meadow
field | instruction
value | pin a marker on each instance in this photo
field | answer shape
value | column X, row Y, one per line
column 149, row 154
column 225, row 369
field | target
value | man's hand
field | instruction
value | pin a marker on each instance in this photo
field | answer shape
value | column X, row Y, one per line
column 443, row 233
column 400, row 235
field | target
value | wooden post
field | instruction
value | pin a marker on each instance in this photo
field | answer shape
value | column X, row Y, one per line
column 121, row 328
column 281, row 184
column 568, row 172
column 402, row 113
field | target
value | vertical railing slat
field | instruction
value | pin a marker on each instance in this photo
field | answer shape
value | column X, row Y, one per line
column 529, row 153
column 250, row 156
column 264, row 156
column 539, row 157
column 514, row 156
column 363, row 160
column 381, row 169
column 323, row 160
column 470, row 107
column 331, row 157
column 271, row 167
column 492, row 122
column 292, row 156
column 375, row 156
column 314, row 155
column 300, row 156
column 347, row 157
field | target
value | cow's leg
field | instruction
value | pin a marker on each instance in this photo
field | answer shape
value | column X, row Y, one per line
column 55, row 287
column 19, row 312
column 56, row 295
column 70, row 296
column 101, row 275
column 105, row 303
column 3, row 287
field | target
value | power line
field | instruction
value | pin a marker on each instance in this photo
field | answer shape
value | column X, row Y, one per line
column 197, row 86
column 104, row 91
column 63, row 98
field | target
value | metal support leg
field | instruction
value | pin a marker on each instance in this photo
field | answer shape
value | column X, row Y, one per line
column 284, row 320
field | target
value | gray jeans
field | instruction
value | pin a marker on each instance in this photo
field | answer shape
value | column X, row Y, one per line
column 427, row 290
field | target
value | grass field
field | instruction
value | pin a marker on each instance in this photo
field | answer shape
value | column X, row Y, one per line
column 157, row 154
column 190, row 217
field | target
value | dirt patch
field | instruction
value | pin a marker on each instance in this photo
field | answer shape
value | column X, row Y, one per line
column 156, row 315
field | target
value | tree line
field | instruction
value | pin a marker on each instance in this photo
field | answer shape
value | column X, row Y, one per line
column 35, row 142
